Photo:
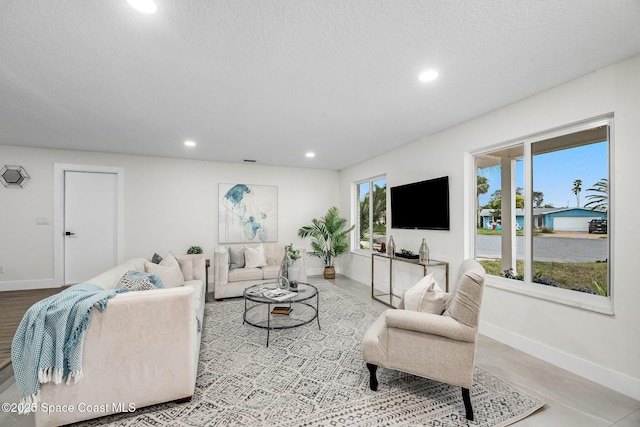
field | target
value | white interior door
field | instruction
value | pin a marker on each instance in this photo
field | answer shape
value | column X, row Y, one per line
column 90, row 224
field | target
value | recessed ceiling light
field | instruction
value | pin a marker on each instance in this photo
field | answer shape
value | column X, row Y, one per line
column 428, row 75
column 190, row 143
column 144, row 6
column 310, row 154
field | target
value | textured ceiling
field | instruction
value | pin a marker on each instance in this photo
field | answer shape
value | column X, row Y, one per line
column 269, row 80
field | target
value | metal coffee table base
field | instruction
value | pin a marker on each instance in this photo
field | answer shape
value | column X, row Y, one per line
column 302, row 302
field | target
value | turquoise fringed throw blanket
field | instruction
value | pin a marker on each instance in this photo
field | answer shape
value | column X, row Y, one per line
column 48, row 343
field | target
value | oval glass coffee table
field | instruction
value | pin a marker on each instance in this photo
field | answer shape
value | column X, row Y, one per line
column 269, row 313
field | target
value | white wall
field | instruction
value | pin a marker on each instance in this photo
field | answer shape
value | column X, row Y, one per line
column 603, row 348
column 170, row 204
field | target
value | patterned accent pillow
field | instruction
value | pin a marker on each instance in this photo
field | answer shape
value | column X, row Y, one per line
column 132, row 283
column 153, row 278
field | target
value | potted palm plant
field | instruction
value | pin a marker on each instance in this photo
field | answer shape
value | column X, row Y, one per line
column 329, row 238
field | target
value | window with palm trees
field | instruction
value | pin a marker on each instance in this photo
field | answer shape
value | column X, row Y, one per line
column 371, row 214
column 542, row 211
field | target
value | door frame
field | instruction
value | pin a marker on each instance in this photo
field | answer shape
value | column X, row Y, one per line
column 59, row 170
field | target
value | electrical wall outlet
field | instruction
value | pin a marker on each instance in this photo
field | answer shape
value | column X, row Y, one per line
column 1, row 269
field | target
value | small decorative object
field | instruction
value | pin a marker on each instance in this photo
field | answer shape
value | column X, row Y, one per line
column 283, row 282
column 293, row 270
column 391, row 247
column 329, row 238
column 284, row 266
column 424, row 251
column 405, row 253
column 14, row 176
column 294, row 274
column 194, row 250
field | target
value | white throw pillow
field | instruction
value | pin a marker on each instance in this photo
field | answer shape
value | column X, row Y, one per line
column 168, row 270
column 254, row 257
column 425, row 296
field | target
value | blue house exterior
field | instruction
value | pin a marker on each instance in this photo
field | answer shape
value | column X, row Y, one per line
column 570, row 219
column 488, row 220
column 559, row 219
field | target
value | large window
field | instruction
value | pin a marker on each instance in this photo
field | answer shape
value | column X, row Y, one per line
column 371, row 214
column 543, row 211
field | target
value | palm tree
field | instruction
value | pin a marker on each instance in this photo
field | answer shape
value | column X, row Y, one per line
column 379, row 210
column 379, row 205
column 364, row 217
column 577, row 187
column 483, row 188
column 600, row 200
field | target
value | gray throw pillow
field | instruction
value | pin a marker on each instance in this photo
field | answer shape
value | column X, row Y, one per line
column 156, row 259
column 236, row 258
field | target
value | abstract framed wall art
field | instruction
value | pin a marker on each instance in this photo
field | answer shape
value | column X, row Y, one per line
column 247, row 213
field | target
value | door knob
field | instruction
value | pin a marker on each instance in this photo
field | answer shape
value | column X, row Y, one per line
column 68, row 233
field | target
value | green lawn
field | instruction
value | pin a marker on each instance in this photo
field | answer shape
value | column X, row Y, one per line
column 488, row 232
column 567, row 274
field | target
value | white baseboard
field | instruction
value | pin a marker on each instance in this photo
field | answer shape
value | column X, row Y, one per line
column 22, row 285
column 607, row 377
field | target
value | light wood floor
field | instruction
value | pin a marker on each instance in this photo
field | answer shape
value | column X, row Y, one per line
column 13, row 305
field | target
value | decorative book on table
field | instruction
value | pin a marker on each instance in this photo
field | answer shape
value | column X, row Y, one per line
column 275, row 294
column 279, row 294
column 281, row 310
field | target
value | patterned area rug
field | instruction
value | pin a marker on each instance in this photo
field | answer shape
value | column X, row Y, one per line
column 316, row 377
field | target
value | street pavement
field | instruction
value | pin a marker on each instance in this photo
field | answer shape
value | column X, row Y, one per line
column 548, row 248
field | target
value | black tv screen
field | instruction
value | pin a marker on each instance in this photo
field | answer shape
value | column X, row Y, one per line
column 421, row 205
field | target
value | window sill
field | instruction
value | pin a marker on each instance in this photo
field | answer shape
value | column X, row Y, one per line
column 361, row 253
column 583, row 301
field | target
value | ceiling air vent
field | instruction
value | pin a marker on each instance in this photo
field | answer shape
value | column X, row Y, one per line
column 14, row 176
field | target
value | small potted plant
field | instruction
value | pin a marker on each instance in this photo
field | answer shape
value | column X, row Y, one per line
column 292, row 253
column 194, row 250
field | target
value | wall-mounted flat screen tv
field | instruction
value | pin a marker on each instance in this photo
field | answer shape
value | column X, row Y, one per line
column 421, row 205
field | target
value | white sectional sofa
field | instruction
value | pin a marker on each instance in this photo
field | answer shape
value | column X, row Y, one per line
column 234, row 272
column 141, row 350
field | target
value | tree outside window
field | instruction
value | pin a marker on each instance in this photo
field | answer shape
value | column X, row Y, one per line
column 538, row 231
column 371, row 227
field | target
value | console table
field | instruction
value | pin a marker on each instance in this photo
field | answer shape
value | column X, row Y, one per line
column 392, row 297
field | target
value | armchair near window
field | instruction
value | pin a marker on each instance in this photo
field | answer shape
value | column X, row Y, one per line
column 436, row 346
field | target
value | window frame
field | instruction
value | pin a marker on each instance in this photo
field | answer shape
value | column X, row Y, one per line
column 355, row 239
column 599, row 304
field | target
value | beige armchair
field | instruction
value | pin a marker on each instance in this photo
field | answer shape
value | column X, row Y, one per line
column 439, row 347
